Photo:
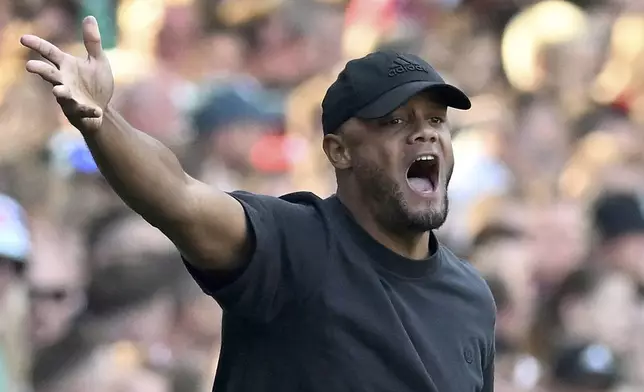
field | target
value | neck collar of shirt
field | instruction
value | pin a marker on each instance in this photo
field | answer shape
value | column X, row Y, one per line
column 385, row 257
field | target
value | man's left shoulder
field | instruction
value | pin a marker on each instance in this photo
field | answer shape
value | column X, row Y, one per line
column 472, row 281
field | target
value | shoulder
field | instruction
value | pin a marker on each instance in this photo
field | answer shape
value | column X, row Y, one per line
column 473, row 282
column 298, row 202
column 292, row 208
column 299, row 217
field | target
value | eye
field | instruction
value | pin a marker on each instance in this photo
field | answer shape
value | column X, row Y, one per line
column 436, row 120
column 392, row 121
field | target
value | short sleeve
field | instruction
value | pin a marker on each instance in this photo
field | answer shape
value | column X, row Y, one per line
column 287, row 260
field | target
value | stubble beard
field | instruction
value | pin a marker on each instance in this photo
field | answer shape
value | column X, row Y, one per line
column 389, row 206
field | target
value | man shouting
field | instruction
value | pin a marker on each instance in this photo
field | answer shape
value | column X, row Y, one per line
column 349, row 293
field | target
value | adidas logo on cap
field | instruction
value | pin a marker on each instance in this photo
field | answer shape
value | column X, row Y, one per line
column 402, row 65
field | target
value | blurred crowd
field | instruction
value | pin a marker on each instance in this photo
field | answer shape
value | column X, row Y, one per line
column 547, row 198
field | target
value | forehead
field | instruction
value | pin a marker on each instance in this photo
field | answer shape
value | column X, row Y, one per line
column 422, row 104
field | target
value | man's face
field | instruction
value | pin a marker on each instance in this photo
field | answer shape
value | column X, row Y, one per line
column 401, row 164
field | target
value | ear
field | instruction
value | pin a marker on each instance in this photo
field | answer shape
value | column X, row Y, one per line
column 337, row 151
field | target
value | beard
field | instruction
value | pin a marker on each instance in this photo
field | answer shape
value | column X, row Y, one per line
column 389, row 205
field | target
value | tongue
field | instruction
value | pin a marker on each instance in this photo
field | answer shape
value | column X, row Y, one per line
column 421, row 185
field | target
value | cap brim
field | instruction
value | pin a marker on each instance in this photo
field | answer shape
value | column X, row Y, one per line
column 392, row 99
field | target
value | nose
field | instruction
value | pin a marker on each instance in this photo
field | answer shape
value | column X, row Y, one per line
column 423, row 133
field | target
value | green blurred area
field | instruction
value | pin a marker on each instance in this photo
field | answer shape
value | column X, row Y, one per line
column 105, row 12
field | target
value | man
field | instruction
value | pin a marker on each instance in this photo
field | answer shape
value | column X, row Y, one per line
column 351, row 293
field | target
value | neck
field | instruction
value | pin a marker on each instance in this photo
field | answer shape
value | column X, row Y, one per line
column 407, row 244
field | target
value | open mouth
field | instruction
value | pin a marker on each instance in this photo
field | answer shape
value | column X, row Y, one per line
column 422, row 175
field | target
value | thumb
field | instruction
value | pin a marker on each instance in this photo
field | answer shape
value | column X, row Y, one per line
column 92, row 37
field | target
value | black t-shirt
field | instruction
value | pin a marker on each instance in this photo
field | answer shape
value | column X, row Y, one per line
column 322, row 306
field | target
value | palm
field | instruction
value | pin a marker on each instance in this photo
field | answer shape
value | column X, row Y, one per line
column 83, row 87
column 90, row 81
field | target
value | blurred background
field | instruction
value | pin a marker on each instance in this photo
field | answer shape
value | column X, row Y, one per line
column 547, row 198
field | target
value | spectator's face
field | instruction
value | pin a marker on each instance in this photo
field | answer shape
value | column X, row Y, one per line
column 233, row 144
column 53, row 310
column 281, row 57
column 560, row 242
column 607, row 315
column 177, row 34
column 151, row 106
column 56, row 287
column 223, row 54
column 8, row 273
column 129, row 245
column 541, row 143
column 483, row 52
column 512, row 261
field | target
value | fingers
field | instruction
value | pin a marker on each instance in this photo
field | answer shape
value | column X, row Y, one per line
column 88, row 111
column 92, row 37
column 45, row 70
column 45, row 48
column 62, row 92
column 64, row 97
column 71, row 108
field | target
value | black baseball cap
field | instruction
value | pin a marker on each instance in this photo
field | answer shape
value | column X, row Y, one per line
column 618, row 213
column 375, row 85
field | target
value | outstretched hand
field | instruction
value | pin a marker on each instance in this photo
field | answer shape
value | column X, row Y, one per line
column 83, row 87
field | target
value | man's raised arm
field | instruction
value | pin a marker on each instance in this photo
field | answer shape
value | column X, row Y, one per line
column 207, row 225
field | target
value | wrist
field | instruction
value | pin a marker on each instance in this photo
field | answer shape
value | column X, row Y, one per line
column 91, row 127
column 109, row 110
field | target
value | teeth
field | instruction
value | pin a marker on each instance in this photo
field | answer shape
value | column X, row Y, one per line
column 425, row 158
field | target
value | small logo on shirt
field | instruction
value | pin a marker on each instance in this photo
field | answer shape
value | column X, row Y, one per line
column 469, row 355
